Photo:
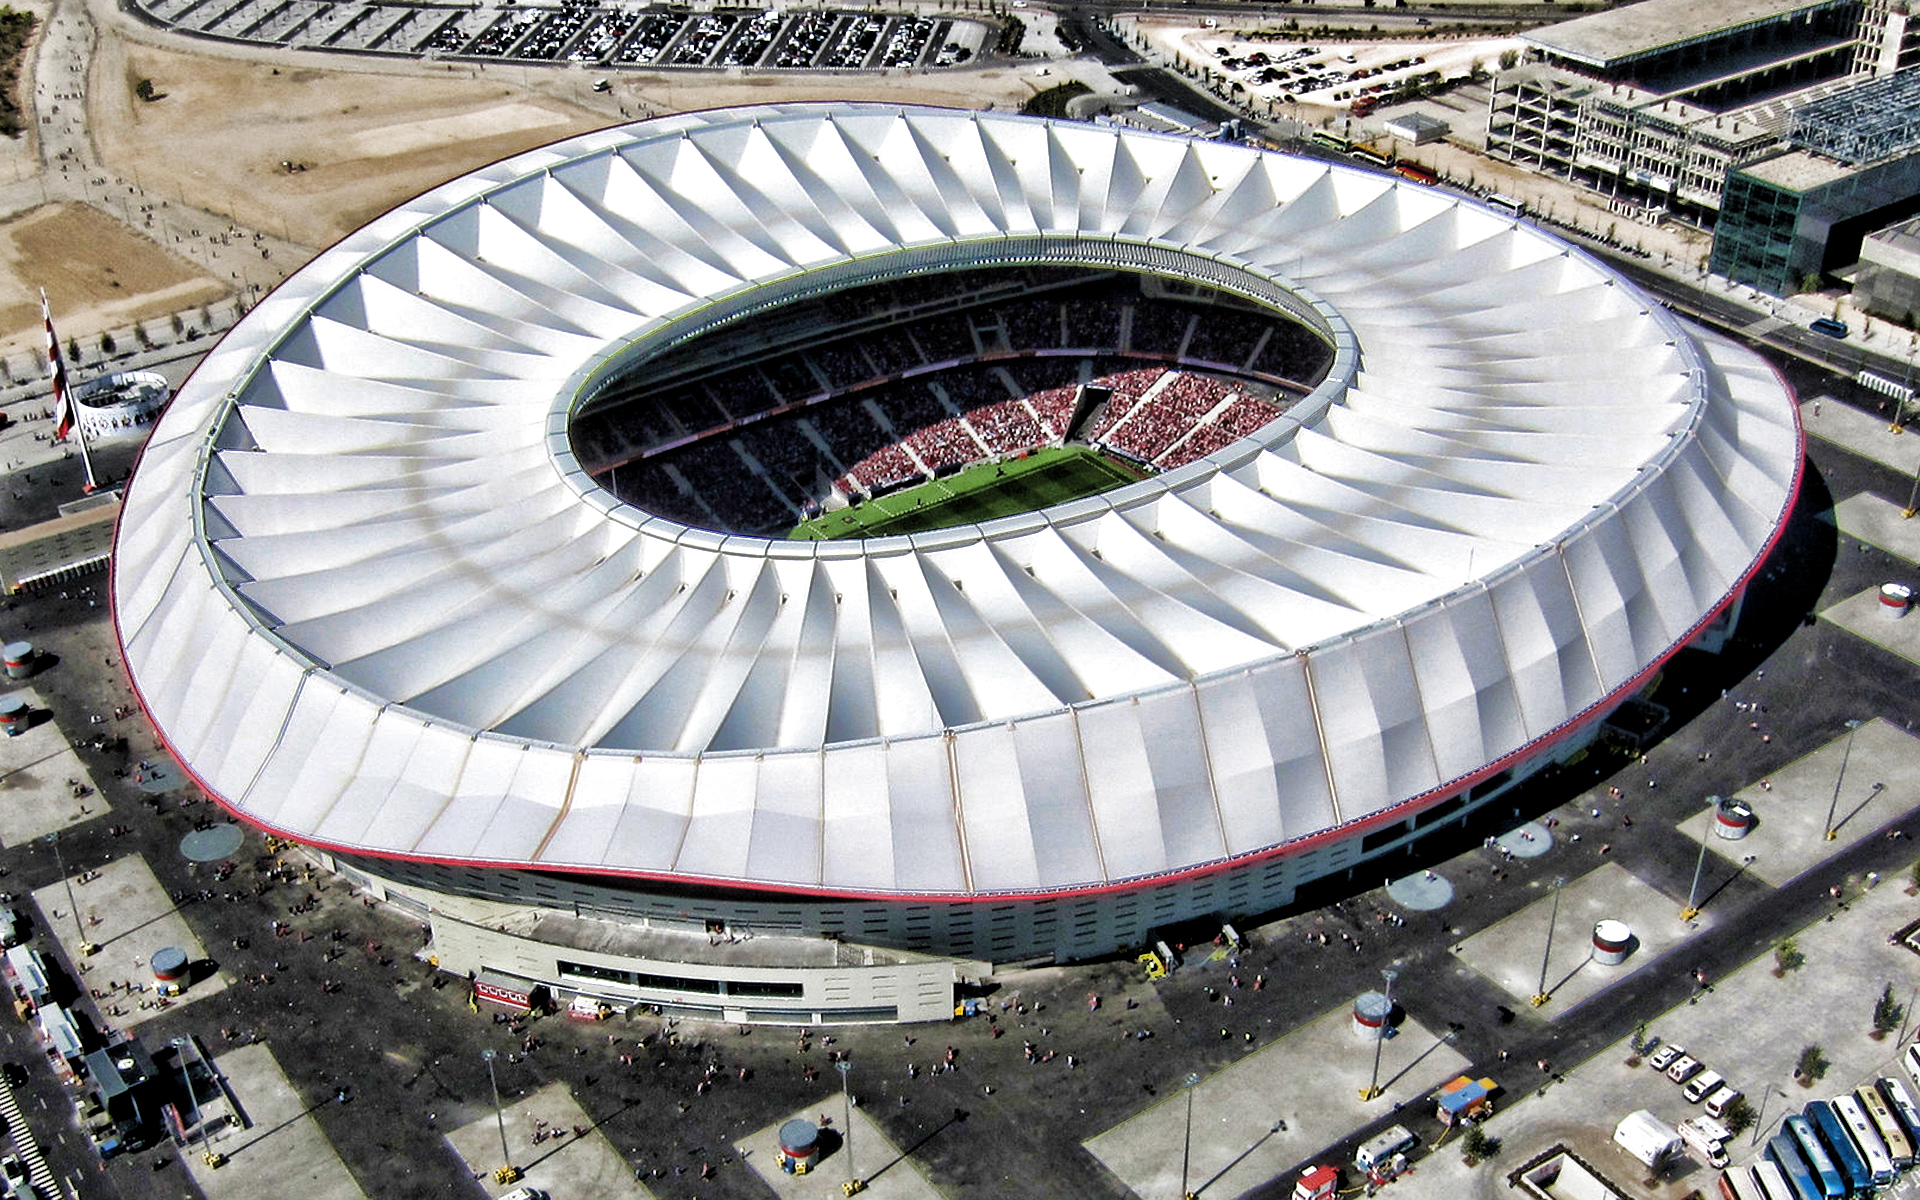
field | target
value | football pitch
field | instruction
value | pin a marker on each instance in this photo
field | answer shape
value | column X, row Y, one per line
column 980, row 493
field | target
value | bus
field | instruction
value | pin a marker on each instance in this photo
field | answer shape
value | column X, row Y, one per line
column 1332, row 140
column 1415, row 172
column 1847, row 1158
column 1738, row 1183
column 1772, row 1180
column 1368, row 152
column 1866, row 1138
column 1903, row 1108
column 1783, row 1150
column 1507, row 204
column 1826, row 1176
column 1899, row 1143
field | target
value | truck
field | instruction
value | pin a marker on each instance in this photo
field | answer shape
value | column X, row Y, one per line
column 1377, row 1153
column 1647, row 1138
column 1317, row 1183
column 1708, row 1137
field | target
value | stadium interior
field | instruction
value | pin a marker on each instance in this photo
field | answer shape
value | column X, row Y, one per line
column 825, row 404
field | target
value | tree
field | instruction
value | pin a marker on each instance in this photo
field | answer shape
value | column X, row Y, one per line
column 107, row 345
column 73, row 349
column 1810, row 1066
column 1913, row 878
column 1787, row 957
column 1509, row 59
column 1478, row 1146
column 1810, row 282
column 1887, row 1014
column 1738, row 1117
column 141, row 335
column 179, row 326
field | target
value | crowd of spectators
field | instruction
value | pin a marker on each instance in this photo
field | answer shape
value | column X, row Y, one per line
column 754, row 447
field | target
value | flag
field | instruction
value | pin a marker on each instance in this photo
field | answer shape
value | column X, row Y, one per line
column 57, row 368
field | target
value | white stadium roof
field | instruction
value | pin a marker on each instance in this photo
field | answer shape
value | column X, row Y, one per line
column 371, row 601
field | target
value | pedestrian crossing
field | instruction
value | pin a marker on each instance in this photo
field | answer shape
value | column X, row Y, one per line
column 38, row 1173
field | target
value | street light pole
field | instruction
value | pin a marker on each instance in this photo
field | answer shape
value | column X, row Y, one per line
column 1186, row 1145
column 1373, row 1082
column 180, row 1045
column 1540, row 997
column 1845, row 753
column 1692, row 909
column 507, row 1172
column 854, row 1184
column 86, row 947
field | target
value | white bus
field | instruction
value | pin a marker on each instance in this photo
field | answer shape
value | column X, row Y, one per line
column 1738, row 1183
column 1507, row 204
column 1865, row 1137
column 1772, row 1181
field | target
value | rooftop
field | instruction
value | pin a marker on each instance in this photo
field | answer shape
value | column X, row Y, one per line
column 1607, row 38
column 1797, row 171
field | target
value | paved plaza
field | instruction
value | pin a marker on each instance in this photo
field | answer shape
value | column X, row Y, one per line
column 1791, row 810
column 1310, row 1080
column 38, row 774
column 1510, row 952
column 1862, row 615
column 890, row 1174
column 128, row 915
column 1866, row 517
column 1862, row 433
column 280, row 1150
column 1750, row 1027
column 570, row 1159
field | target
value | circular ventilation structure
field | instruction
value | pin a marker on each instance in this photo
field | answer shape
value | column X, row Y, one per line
column 372, row 597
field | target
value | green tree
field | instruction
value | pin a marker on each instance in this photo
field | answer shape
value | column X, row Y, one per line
column 1811, row 1066
column 73, row 350
column 1509, row 59
column 1887, row 1013
column 178, row 325
column 141, row 335
column 1810, row 282
column 107, row 345
column 1479, row 1146
column 1738, row 1117
column 1787, row 957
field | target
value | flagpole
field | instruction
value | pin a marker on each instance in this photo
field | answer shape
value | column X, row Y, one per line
column 66, row 412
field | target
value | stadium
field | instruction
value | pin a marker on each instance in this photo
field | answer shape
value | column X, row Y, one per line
column 778, row 563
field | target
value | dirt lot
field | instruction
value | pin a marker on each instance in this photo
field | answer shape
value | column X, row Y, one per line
column 362, row 142
column 86, row 259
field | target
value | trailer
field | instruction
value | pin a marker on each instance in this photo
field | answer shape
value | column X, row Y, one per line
column 1648, row 1138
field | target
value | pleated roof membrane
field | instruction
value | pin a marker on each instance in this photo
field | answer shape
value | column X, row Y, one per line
column 367, row 595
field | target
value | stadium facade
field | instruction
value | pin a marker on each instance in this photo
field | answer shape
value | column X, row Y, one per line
column 375, row 604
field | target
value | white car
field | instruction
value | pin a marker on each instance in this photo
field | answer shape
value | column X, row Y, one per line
column 1683, row 1069
column 1659, row 1059
column 526, row 1193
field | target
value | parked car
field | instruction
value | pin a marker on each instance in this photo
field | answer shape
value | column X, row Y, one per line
column 1662, row 1058
column 1683, row 1069
column 1829, row 327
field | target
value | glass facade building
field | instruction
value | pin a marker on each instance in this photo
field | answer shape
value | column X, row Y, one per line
column 1798, row 214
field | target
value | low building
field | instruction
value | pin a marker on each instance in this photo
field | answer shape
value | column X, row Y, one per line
column 1418, row 128
column 1888, row 284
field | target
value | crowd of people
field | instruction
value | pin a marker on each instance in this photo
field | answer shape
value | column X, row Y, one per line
column 760, row 446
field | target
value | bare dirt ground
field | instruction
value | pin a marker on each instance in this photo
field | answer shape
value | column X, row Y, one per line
column 301, row 148
column 362, row 142
column 78, row 252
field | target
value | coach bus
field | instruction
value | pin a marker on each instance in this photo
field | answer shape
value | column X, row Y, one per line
column 1899, row 1143
column 1368, row 152
column 1507, row 204
column 1827, row 1176
column 1415, row 172
column 1332, row 140
column 1866, row 1138
column 1783, row 1150
column 1738, row 1183
column 1846, row 1155
column 1772, row 1180
column 1903, row 1108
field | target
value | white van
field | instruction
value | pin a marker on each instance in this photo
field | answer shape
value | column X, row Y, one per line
column 1707, row 1137
column 1911, row 1057
column 1722, row 1100
column 1705, row 1084
column 1383, row 1146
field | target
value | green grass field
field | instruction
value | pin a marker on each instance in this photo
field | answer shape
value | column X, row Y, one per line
column 1046, row 477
